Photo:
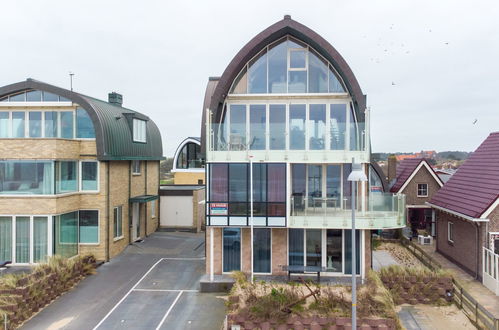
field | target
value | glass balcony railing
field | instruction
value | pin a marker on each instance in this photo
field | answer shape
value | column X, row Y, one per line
column 377, row 211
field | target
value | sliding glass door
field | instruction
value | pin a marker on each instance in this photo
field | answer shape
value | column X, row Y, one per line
column 261, row 250
column 314, row 247
column 6, row 238
column 40, row 239
column 22, row 240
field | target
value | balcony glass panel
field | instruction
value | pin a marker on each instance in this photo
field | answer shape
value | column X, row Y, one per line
column 297, row 117
column 277, row 129
column 237, row 127
column 338, row 120
column 317, row 126
column 258, row 123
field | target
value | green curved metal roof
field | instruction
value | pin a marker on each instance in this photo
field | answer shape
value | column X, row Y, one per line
column 112, row 124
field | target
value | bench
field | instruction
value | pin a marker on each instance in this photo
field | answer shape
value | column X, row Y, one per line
column 303, row 270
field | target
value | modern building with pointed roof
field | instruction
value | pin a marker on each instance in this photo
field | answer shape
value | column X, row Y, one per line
column 77, row 174
column 417, row 180
column 289, row 103
column 467, row 212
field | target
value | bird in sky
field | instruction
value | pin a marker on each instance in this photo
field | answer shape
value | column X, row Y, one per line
column 474, row 122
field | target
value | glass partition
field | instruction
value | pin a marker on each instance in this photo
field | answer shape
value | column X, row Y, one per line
column 277, row 129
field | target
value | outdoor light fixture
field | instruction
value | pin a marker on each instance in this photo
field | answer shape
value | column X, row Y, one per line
column 357, row 175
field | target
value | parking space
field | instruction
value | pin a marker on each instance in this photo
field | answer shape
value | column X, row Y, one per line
column 152, row 285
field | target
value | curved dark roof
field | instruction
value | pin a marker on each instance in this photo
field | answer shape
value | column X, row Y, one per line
column 112, row 124
column 379, row 171
column 210, row 89
column 287, row 26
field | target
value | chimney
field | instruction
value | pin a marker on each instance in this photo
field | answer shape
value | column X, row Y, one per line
column 115, row 98
column 392, row 169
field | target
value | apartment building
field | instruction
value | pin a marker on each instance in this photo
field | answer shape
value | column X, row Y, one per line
column 77, row 174
column 290, row 105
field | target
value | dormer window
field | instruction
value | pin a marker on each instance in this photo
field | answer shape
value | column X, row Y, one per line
column 139, row 130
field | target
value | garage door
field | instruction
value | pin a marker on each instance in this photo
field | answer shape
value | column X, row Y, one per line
column 176, row 211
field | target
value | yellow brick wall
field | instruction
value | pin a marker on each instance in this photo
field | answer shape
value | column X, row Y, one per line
column 118, row 176
column 188, row 177
column 45, row 148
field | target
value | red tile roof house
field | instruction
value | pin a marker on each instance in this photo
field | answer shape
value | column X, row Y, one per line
column 418, row 181
column 467, row 212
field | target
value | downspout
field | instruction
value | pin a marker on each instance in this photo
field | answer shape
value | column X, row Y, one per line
column 108, row 194
column 145, row 193
column 158, row 213
column 130, row 224
column 477, row 226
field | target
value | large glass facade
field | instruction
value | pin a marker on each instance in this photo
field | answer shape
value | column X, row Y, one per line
column 26, row 177
column 231, row 249
column 229, row 188
column 288, row 66
column 338, row 120
column 261, row 250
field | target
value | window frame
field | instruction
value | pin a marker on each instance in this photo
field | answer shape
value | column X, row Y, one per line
column 139, row 132
column 119, row 210
column 80, row 179
column 133, row 169
column 425, row 189
column 450, row 232
column 98, row 227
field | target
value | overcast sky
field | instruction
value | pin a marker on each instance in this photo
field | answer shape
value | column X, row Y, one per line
column 430, row 69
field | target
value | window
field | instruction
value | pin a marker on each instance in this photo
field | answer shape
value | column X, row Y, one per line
column 287, row 66
column 51, row 126
column 136, row 167
column 4, row 124
column 317, row 126
column 297, row 117
column 26, row 177
column 422, row 190
column 277, row 129
column 450, row 232
column 139, row 130
column 262, row 250
column 237, row 127
column 18, row 118
column 35, row 124
column 89, row 176
column 231, row 249
column 84, row 125
column 89, row 226
column 34, row 96
column 6, row 238
column 66, row 234
column 66, row 177
column 190, row 157
column 67, row 128
column 153, row 209
column 257, row 127
column 117, row 222
column 338, row 121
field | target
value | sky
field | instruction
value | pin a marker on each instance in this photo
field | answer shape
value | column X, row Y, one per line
column 430, row 69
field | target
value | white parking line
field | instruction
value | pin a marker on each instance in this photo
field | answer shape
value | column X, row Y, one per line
column 165, row 290
column 126, row 295
column 169, row 310
column 200, row 258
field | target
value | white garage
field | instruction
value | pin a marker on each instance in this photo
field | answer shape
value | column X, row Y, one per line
column 182, row 207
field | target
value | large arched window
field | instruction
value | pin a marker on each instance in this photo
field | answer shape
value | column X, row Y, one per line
column 287, row 66
column 190, row 157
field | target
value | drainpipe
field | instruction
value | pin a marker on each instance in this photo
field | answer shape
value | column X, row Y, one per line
column 145, row 193
column 477, row 249
column 108, row 222
column 130, row 205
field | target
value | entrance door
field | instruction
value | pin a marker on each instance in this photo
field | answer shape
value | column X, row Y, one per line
column 135, row 221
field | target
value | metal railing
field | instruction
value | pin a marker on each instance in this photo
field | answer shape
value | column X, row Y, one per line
column 478, row 315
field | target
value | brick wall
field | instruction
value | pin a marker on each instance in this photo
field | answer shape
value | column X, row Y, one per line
column 279, row 250
column 411, row 190
column 188, row 177
column 463, row 251
column 217, row 250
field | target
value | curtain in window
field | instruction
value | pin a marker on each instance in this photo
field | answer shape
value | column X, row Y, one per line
column 261, row 248
column 5, row 238
column 40, row 239
column 231, row 249
column 296, row 247
column 22, row 239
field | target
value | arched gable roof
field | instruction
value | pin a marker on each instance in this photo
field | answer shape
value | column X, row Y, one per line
column 381, row 175
column 112, row 124
column 287, row 26
column 195, row 140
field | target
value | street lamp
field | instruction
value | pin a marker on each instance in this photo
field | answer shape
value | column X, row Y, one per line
column 357, row 175
column 251, row 213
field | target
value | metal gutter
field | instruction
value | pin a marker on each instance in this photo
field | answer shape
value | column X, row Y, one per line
column 464, row 216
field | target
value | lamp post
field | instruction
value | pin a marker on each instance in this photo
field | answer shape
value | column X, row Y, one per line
column 357, row 175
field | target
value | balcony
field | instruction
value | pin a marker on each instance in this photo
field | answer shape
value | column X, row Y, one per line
column 378, row 211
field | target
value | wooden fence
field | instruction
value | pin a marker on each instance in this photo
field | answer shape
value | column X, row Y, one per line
column 477, row 314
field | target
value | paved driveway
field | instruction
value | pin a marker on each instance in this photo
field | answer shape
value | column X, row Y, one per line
column 152, row 285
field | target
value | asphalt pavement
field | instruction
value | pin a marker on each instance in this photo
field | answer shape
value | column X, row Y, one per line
column 151, row 285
